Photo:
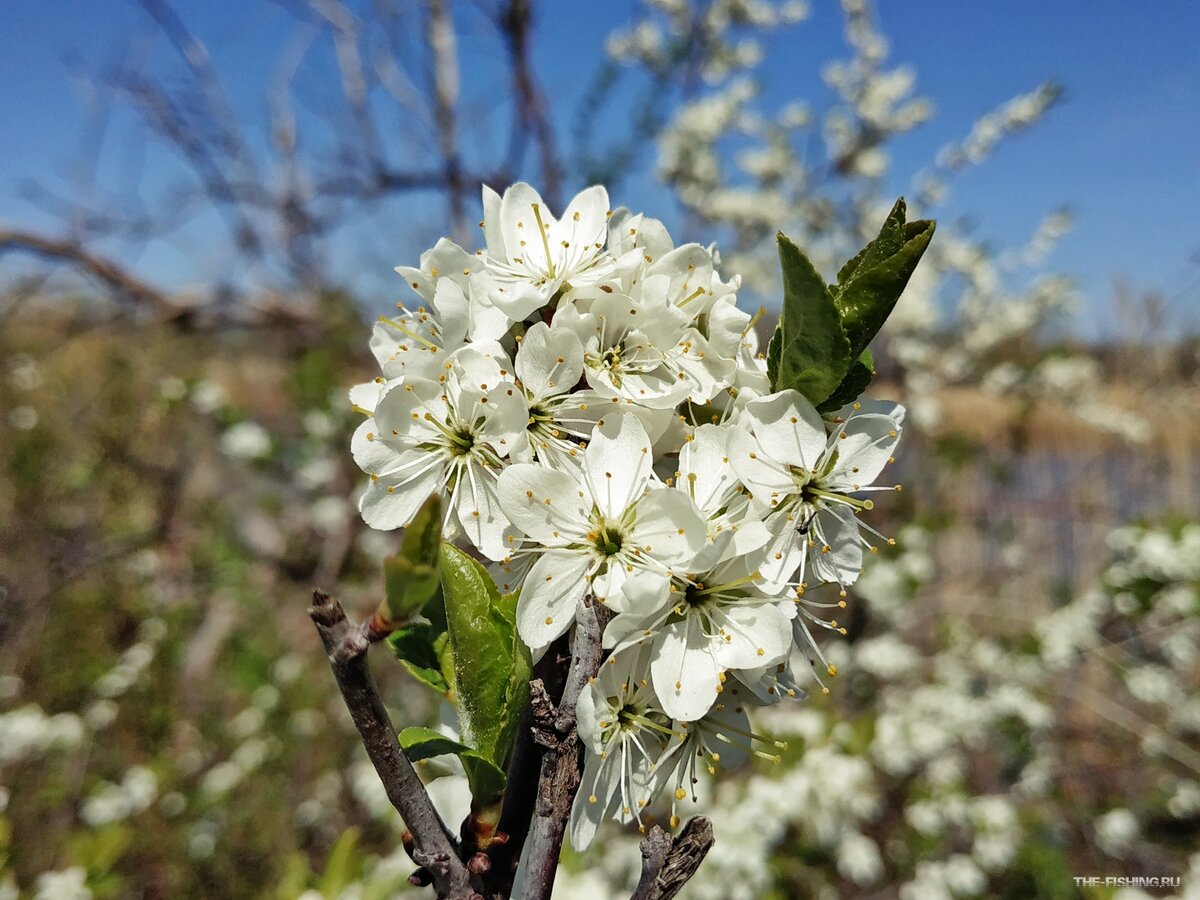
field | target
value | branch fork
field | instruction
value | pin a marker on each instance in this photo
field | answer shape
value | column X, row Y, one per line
column 549, row 750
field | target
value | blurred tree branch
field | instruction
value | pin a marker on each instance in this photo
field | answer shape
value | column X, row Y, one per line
column 116, row 278
column 531, row 116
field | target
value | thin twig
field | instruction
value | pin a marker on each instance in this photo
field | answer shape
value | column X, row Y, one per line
column 346, row 646
column 562, row 765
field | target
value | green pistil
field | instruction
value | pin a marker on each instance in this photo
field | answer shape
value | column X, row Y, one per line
column 538, row 417
column 608, row 540
column 630, row 719
column 813, row 494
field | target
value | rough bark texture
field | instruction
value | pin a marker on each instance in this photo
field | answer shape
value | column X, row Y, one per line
column 668, row 864
column 562, row 764
column 346, row 645
column 539, row 798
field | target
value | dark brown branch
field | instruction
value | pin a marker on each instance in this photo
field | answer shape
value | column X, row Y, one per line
column 563, row 762
column 346, row 646
column 668, row 864
column 113, row 276
column 524, row 771
column 655, row 847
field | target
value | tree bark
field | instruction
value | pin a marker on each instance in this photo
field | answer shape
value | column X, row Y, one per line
column 562, row 764
column 346, row 645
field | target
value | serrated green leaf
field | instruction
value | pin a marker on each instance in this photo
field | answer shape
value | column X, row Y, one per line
column 889, row 242
column 486, row 778
column 491, row 664
column 812, row 352
column 856, row 381
column 411, row 578
column 871, row 283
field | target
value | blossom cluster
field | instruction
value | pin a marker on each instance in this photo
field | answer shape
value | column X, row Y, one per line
column 593, row 407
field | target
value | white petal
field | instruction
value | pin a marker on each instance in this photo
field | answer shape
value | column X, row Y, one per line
column 789, row 428
column 408, row 344
column 668, row 527
column 493, row 236
column 726, row 325
column 629, row 628
column 401, row 411
column 453, row 311
column 371, row 454
column 643, row 597
column 483, row 522
column 384, row 510
column 783, row 555
column 639, row 592
column 608, row 583
column 505, row 419
column 364, row 397
column 617, row 464
column 519, row 224
column 582, row 227
column 685, row 670
column 865, row 406
column 590, row 711
column 869, row 443
column 549, row 361
column 705, row 473
column 762, row 475
column 544, row 503
column 516, row 299
column 585, row 815
column 552, row 591
column 838, row 528
column 761, row 635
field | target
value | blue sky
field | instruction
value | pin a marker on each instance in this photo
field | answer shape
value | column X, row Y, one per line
column 1122, row 150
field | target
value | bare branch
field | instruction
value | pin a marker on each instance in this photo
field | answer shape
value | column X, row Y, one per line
column 205, row 131
column 655, row 847
column 119, row 280
column 529, row 103
column 668, row 864
column 346, row 647
column 524, row 770
column 346, row 46
column 444, row 47
column 562, row 764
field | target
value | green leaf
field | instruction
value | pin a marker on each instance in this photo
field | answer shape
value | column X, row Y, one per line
column 411, row 577
column 889, row 242
column 486, row 778
column 856, row 381
column 424, row 650
column 491, row 664
column 811, row 351
column 773, row 351
column 871, row 283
